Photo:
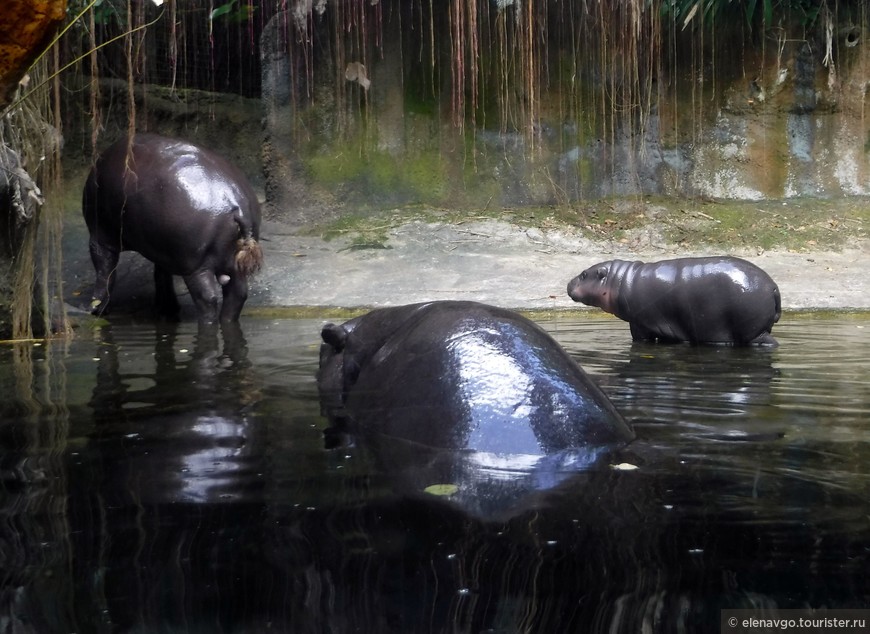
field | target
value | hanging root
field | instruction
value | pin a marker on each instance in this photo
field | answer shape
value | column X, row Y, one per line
column 249, row 256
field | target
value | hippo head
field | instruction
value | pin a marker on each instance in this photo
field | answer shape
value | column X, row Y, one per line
column 591, row 287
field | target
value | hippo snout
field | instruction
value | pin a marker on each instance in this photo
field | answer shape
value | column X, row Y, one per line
column 578, row 289
column 573, row 291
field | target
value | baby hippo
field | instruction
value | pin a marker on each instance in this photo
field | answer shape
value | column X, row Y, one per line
column 713, row 300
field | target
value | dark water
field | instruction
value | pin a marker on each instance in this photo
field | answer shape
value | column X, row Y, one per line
column 161, row 479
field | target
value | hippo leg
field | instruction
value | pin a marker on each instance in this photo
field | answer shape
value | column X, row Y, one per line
column 105, row 260
column 204, row 290
column 164, row 295
column 764, row 339
column 640, row 333
column 235, row 293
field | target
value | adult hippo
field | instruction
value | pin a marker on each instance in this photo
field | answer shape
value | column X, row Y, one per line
column 182, row 207
column 466, row 394
column 713, row 300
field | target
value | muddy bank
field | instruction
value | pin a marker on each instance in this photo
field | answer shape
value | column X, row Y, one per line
column 493, row 261
column 511, row 266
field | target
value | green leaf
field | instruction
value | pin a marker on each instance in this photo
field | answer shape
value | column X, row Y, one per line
column 750, row 11
column 768, row 13
column 105, row 13
column 810, row 15
column 222, row 10
column 245, row 13
column 441, row 489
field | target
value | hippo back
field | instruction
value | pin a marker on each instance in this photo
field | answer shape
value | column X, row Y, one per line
column 153, row 194
column 462, row 375
column 721, row 299
column 467, row 398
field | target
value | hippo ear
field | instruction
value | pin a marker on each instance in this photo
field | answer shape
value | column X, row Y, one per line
column 335, row 336
column 601, row 272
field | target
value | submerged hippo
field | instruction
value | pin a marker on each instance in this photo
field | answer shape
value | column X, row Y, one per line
column 466, row 394
column 463, row 375
column 182, row 207
column 713, row 300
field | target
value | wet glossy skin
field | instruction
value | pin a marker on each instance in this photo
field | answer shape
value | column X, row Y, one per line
column 180, row 206
column 715, row 300
column 463, row 375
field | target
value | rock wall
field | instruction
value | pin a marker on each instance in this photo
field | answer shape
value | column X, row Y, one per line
column 226, row 123
column 772, row 122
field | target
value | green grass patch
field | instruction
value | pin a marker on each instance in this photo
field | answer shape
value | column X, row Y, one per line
column 794, row 224
column 800, row 224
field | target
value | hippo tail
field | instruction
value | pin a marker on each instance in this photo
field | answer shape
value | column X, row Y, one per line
column 249, row 253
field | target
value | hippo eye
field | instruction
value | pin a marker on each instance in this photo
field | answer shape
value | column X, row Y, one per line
column 583, row 275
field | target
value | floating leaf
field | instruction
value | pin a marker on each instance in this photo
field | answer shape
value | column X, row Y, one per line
column 624, row 466
column 441, row 489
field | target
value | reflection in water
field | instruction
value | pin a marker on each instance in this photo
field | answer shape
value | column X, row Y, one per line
column 168, row 478
column 723, row 392
column 191, row 403
column 34, row 533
